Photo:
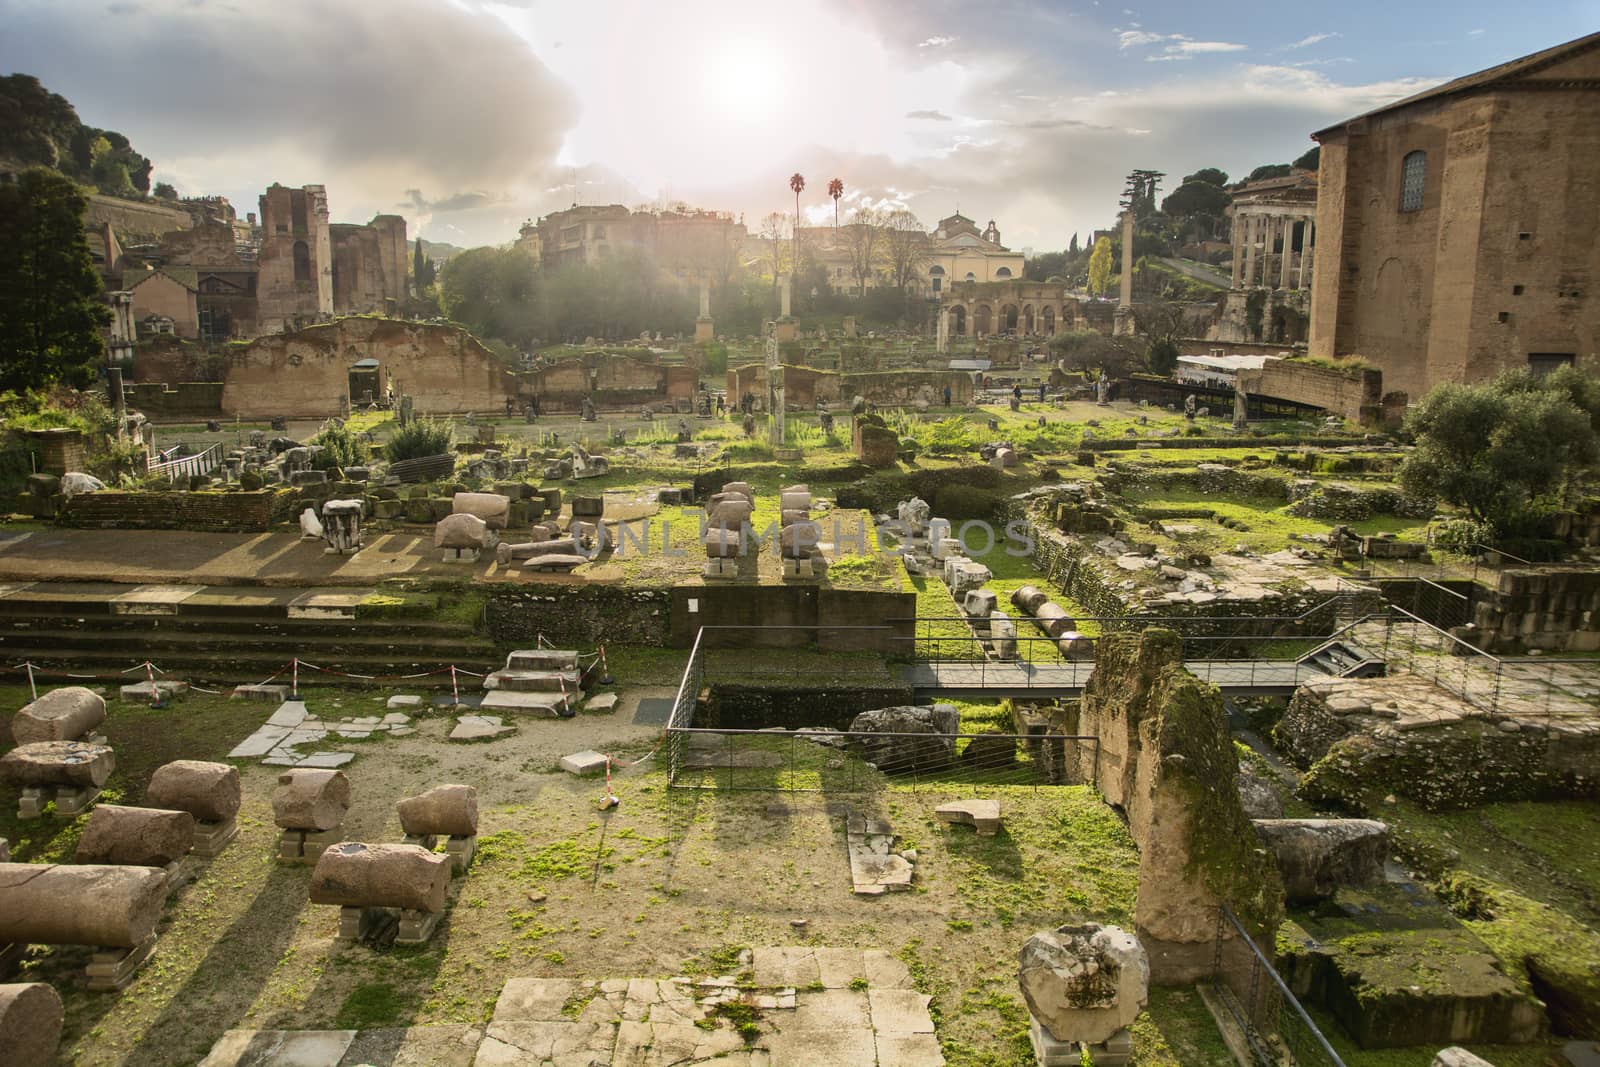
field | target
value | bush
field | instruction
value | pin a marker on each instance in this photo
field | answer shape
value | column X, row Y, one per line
column 424, row 437
column 1461, row 535
column 341, row 448
column 956, row 502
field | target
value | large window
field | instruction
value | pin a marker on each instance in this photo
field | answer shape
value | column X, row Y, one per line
column 1003, row 272
column 1413, row 179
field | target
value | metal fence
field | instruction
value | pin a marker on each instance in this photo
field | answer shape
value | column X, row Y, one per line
column 1275, row 1026
column 835, row 761
column 189, row 466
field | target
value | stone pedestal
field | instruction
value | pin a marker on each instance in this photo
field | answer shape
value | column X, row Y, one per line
column 460, row 555
column 302, row 848
column 1115, row 1051
column 371, row 924
column 210, row 838
column 69, row 802
column 786, row 329
column 113, row 968
column 460, row 848
column 704, row 330
column 722, row 568
column 799, row 568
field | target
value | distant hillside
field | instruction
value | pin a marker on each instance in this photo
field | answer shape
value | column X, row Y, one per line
column 40, row 128
column 438, row 251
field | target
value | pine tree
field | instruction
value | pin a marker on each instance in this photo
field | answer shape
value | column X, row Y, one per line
column 422, row 268
column 1072, row 249
column 51, row 309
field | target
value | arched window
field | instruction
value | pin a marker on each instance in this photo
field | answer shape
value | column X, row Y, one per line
column 971, row 277
column 936, row 271
column 302, row 262
column 1413, row 179
column 1003, row 272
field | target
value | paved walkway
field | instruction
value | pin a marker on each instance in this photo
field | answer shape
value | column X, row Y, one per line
column 810, row 1009
column 1065, row 679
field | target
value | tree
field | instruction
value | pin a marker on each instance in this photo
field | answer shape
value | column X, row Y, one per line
column 490, row 291
column 836, row 190
column 797, row 182
column 862, row 243
column 164, row 191
column 1269, row 170
column 772, row 232
column 422, row 269
column 1196, row 198
column 1161, row 324
column 1209, row 175
column 1046, row 265
column 905, row 245
column 1072, row 249
column 50, row 296
column 1505, row 451
column 1310, row 160
column 1100, row 267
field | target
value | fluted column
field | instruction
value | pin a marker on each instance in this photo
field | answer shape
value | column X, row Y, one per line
column 1250, row 227
column 1238, row 250
column 1288, row 240
column 1306, row 247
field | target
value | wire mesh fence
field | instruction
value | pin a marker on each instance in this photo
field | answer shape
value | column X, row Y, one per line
column 833, row 761
column 1275, row 1026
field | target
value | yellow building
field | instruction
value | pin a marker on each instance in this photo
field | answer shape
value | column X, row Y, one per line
column 958, row 252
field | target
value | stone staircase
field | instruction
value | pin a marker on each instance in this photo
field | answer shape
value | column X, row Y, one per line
column 536, row 681
column 224, row 635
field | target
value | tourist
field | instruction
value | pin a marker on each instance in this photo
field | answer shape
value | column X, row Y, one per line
column 947, row 396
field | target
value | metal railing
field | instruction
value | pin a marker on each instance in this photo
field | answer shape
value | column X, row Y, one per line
column 841, row 761
column 189, row 466
column 1276, row 1028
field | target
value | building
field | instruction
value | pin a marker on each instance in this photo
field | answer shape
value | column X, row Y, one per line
column 688, row 243
column 1274, row 235
column 164, row 302
column 958, row 252
column 295, row 284
column 1455, row 229
column 1014, row 308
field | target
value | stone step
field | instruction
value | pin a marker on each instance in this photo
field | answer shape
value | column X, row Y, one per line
column 353, row 643
column 533, row 681
column 546, row 705
column 542, row 659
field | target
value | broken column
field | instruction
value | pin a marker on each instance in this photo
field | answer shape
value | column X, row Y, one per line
column 492, row 508
column 449, row 811
column 30, row 1023
column 71, row 713
column 1083, row 986
column 113, row 908
column 362, row 879
column 727, row 513
column 341, row 526
column 209, row 791
column 462, row 537
column 138, row 837
column 309, row 805
column 68, row 773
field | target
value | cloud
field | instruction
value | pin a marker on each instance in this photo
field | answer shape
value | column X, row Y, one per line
column 1475, row 33
column 421, row 205
column 931, row 116
column 1307, row 42
column 937, row 42
column 368, row 98
column 1175, row 46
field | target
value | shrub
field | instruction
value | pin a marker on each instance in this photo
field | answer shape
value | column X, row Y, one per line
column 424, row 437
column 341, row 448
column 966, row 502
column 1461, row 535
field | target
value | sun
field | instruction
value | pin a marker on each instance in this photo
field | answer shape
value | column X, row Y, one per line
column 744, row 80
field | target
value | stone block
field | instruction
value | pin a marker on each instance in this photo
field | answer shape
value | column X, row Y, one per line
column 1316, row 857
column 585, row 762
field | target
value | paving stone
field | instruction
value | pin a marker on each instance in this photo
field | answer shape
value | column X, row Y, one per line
column 264, row 740
column 404, row 700
column 397, row 718
column 367, row 720
column 279, row 1048
column 822, row 1048
column 290, row 713
column 276, row 694
column 900, row 1011
column 585, row 762
column 785, row 965
column 838, row 967
column 601, row 703
column 830, row 1009
column 353, row 733
column 536, row 999
column 657, row 1044
column 908, row 1050
column 327, row 759
column 884, row 971
column 981, row 814
column 444, row 1045
column 280, row 760
column 401, row 731
column 558, row 1044
column 479, row 728
column 546, row 705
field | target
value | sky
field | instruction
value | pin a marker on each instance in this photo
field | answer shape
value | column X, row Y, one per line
column 469, row 117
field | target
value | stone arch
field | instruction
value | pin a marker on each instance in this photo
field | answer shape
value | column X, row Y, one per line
column 1027, row 319
column 958, row 319
column 1049, row 321
column 1008, row 318
column 983, row 320
column 1003, row 272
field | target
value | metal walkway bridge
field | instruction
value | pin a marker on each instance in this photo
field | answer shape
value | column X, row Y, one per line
column 1015, row 678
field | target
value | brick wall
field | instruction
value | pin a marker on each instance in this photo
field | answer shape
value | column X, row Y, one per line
column 236, row 512
column 1355, row 394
